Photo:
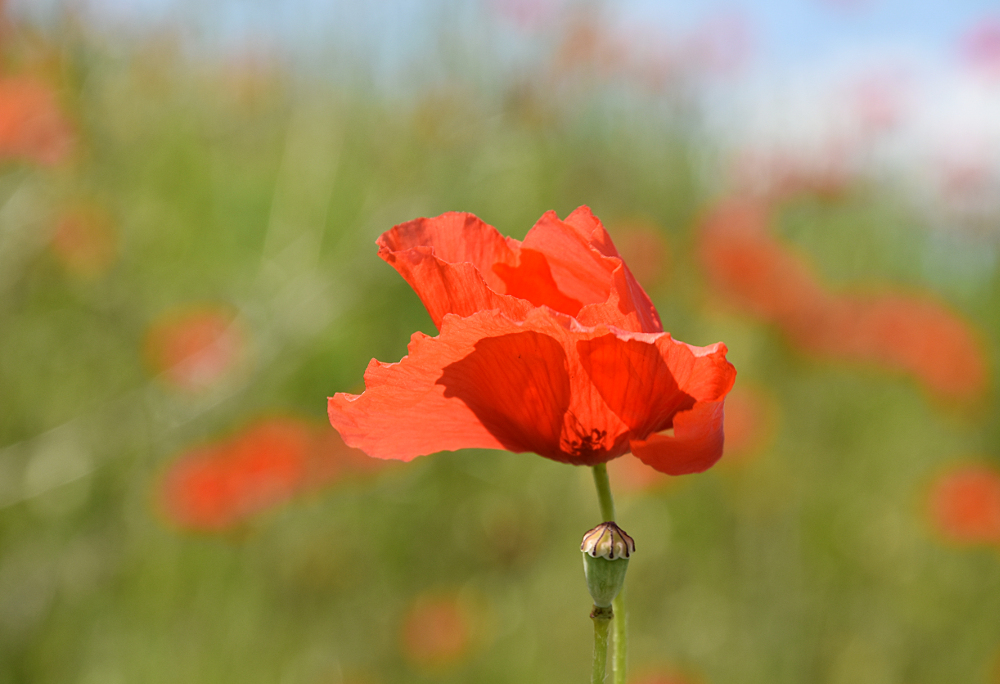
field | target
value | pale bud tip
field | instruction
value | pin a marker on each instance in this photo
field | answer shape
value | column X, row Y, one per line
column 607, row 540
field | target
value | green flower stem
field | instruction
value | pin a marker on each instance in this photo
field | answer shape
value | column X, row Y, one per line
column 604, row 492
column 620, row 639
column 602, row 620
column 620, row 651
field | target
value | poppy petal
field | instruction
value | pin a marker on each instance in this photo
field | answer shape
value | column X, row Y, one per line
column 449, row 261
column 647, row 379
column 702, row 372
column 456, row 263
column 628, row 307
column 580, row 271
column 488, row 382
column 586, row 268
column 695, row 445
column 634, row 381
column 590, row 228
column 455, row 237
column 627, row 295
column 517, row 385
column 402, row 413
column 532, row 280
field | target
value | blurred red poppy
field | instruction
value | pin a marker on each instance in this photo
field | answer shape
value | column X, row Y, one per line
column 824, row 174
column 84, row 241
column 31, row 125
column 750, row 422
column 216, row 486
column 436, row 632
column 964, row 504
column 662, row 676
column 588, row 46
column 756, row 274
column 909, row 333
column 194, row 347
column 549, row 346
column 906, row 332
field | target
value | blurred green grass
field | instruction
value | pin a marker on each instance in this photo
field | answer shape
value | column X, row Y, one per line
column 263, row 191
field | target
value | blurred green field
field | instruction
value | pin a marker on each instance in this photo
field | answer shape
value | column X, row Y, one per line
column 258, row 192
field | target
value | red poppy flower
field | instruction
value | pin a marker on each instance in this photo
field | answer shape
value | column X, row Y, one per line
column 547, row 345
column 217, row 486
column 901, row 331
column 757, row 273
column 965, row 504
column 663, row 677
column 751, row 417
column 194, row 347
column 436, row 632
column 910, row 333
column 31, row 125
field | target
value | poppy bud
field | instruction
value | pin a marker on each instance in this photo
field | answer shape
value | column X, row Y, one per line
column 606, row 550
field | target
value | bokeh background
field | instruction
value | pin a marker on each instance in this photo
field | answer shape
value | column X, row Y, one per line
column 189, row 198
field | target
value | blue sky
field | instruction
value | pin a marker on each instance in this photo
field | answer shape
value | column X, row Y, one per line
column 787, row 32
column 796, row 31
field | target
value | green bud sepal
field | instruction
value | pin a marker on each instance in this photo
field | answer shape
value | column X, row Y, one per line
column 606, row 551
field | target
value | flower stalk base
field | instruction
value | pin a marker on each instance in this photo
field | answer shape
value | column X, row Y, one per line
column 602, row 617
